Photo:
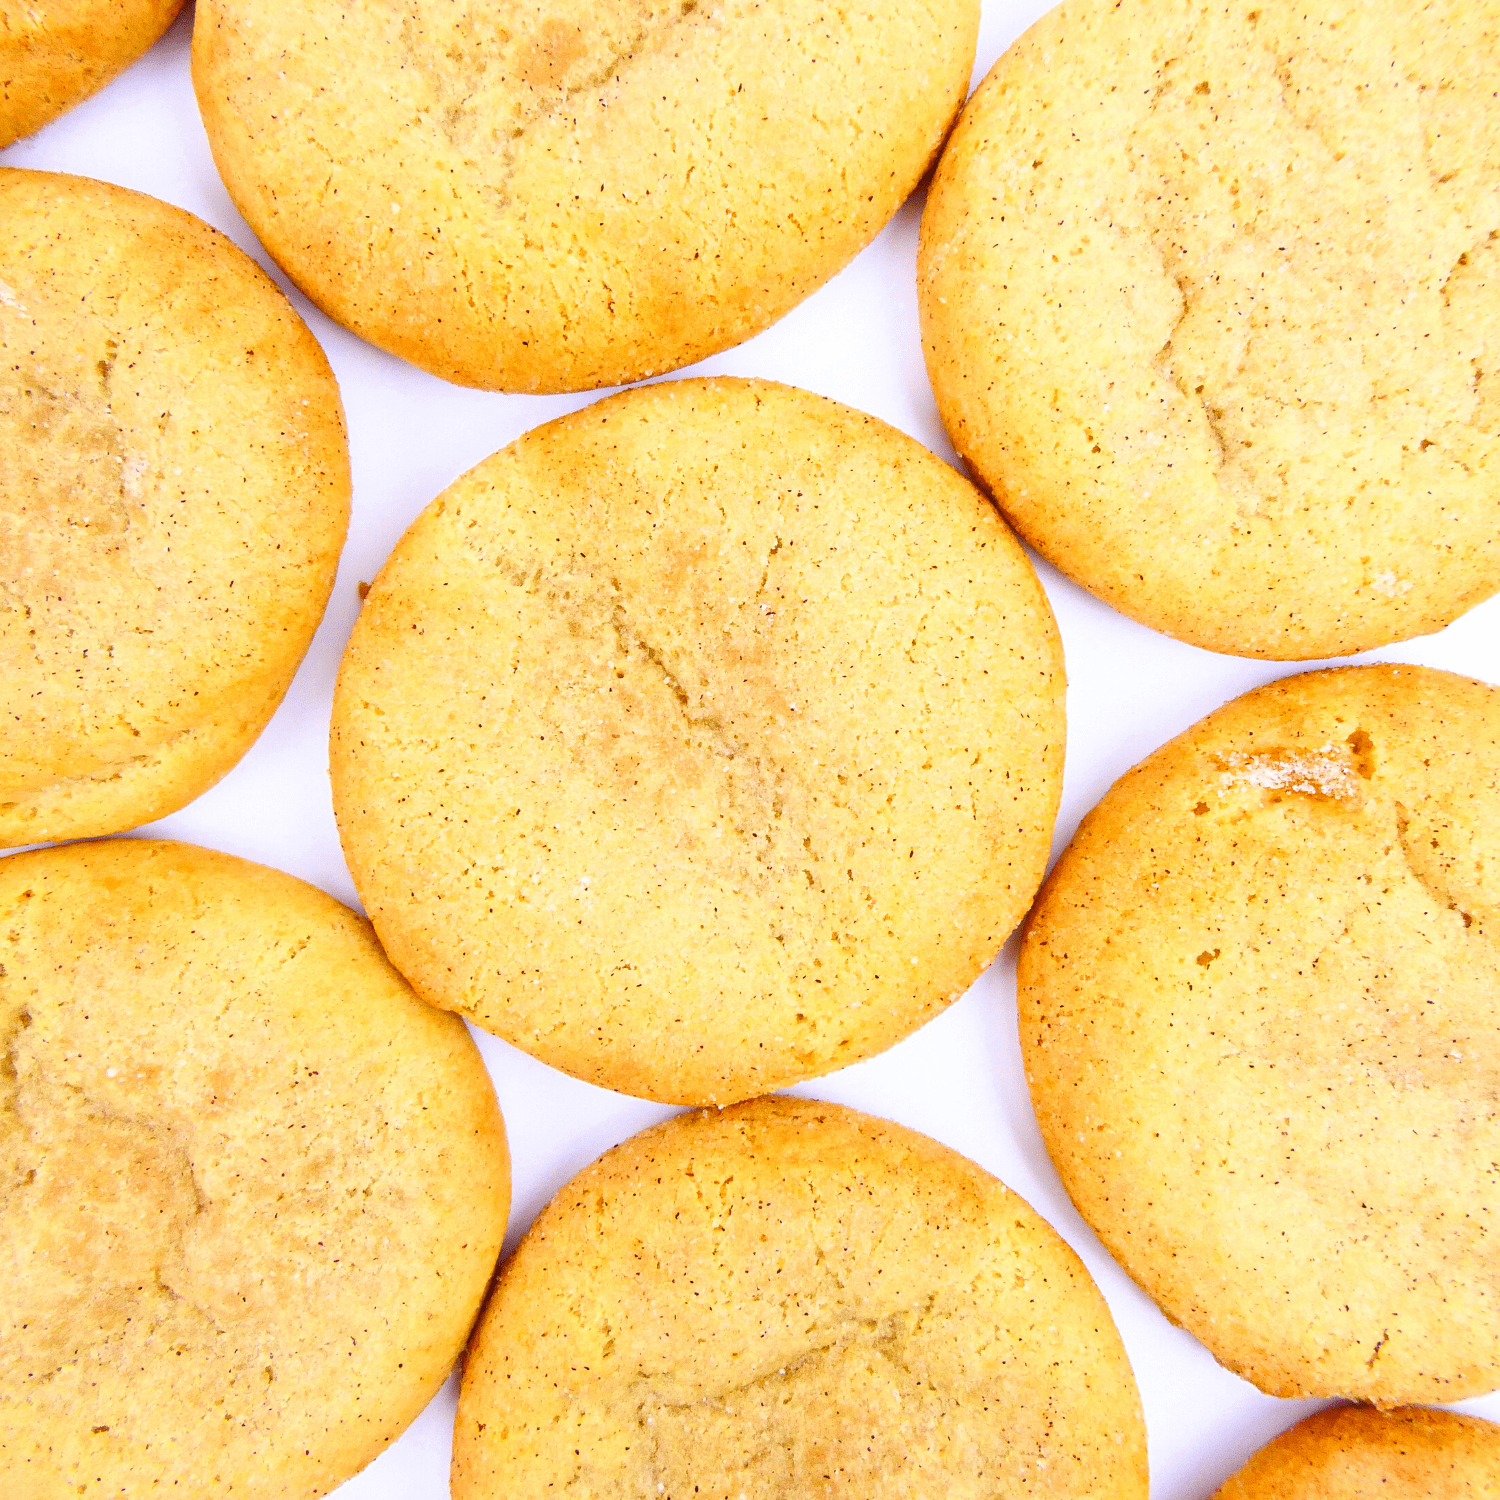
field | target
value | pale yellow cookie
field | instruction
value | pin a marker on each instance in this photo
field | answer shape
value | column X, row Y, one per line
column 252, row 1190
column 703, row 740
column 1209, row 297
column 1356, row 1453
column 564, row 195
column 790, row 1299
column 55, row 53
column 1259, row 1000
column 174, row 487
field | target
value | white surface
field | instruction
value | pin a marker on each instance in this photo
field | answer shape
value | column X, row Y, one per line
column 960, row 1078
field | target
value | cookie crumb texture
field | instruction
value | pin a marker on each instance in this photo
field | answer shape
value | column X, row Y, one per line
column 55, row 53
column 1258, row 1010
column 1355, row 1453
column 252, row 1188
column 1209, row 298
column 174, row 487
column 704, row 740
column 563, row 196
column 790, row 1299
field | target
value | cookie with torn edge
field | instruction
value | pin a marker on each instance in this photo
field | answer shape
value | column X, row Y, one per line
column 174, row 488
column 1208, row 296
column 1259, row 1000
column 790, row 1298
column 578, row 193
column 253, row 1188
column 703, row 740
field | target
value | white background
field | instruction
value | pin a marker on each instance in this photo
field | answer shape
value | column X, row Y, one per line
column 960, row 1078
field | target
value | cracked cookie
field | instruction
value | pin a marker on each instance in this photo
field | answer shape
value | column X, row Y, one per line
column 579, row 193
column 703, row 740
column 1258, row 1006
column 55, row 53
column 174, row 487
column 1208, row 297
column 1355, row 1453
column 788, row 1299
column 253, row 1188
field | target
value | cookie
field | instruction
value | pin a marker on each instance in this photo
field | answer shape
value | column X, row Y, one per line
column 55, row 53
column 703, row 740
column 253, row 1188
column 1354, row 1453
column 790, row 1298
column 1258, row 1007
column 579, row 193
column 174, row 487
column 1207, row 295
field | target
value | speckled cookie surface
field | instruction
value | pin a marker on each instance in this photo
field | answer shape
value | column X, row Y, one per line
column 791, row 1299
column 253, row 1188
column 579, row 193
column 1356, row 1453
column 174, row 487
column 703, row 740
column 1208, row 298
column 54, row 53
column 1259, row 999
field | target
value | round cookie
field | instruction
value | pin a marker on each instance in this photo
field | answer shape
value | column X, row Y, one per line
column 578, row 193
column 1258, row 1005
column 174, row 487
column 1207, row 295
column 703, row 740
column 790, row 1298
column 55, row 53
column 253, row 1188
column 1355, row 1453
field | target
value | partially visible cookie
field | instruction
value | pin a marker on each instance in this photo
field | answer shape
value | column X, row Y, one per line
column 251, row 1188
column 55, row 53
column 1260, row 1012
column 1356, row 1453
column 790, row 1298
column 1208, row 295
column 703, row 740
column 577, row 193
column 174, row 487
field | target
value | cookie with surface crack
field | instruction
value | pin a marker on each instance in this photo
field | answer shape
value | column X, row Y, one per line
column 1259, row 998
column 790, row 1298
column 55, row 53
column 1355, row 1453
column 577, row 193
column 174, row 487
column 1208, row 297
column 706, row 739
column 253, row 1188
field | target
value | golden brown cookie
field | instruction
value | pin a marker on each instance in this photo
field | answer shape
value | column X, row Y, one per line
column 703, row 740
column 55, row 53
column 1208, row 295
column 1259, row 998
column 792, row 1299
column 253, row 1188
column 1356, row 1453
column 174, row 486
column 577, row 193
